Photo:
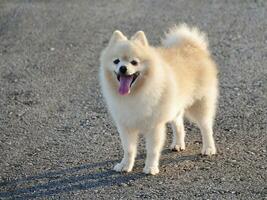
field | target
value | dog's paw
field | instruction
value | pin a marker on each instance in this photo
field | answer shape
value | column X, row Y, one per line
column 151, row 170
column 208, row 150
column 177, row 147
column 122, row 167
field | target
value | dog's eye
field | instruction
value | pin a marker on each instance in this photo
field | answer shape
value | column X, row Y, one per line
column 134, row 62
column 116, row 61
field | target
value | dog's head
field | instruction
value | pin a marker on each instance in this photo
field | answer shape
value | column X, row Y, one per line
column 126, row 62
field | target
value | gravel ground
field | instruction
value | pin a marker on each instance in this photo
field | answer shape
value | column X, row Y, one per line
column 57, row 140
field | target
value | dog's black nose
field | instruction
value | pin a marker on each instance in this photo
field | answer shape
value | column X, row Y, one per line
column 123, row 69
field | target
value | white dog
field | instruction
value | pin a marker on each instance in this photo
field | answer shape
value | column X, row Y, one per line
column 145, row 87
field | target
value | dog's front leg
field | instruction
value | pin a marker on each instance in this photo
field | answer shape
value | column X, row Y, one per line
column 129, row 142
column 154, row 143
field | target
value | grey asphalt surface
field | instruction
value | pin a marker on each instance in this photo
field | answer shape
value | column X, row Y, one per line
column 57, row 140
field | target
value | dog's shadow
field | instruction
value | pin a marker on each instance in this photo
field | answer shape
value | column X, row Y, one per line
column 83, row 177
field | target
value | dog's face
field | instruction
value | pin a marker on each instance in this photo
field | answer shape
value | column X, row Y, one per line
column 126, row 62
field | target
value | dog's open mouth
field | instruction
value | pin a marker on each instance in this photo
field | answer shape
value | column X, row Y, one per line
column 126, row 82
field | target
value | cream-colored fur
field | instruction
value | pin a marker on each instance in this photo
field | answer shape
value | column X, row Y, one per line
column 176, row 80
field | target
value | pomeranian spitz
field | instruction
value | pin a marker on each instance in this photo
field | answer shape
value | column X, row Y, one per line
column 146, row 87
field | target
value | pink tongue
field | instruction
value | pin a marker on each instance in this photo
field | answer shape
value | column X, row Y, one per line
column 125, row 84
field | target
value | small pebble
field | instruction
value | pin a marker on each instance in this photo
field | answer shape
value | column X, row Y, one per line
column 123, row 185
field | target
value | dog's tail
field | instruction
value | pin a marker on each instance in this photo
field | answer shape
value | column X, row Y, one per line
column 183, row 33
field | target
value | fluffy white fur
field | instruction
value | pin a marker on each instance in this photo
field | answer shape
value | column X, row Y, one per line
column 177, row 34
column 177, row 79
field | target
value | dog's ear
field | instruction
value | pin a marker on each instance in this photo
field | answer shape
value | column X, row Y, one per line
column 116, row 36
column 140, row 37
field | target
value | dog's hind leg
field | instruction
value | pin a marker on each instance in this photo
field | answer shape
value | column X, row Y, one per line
column 203, row 112
column 178, row 143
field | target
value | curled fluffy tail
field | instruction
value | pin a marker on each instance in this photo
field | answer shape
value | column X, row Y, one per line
column 184, row 33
